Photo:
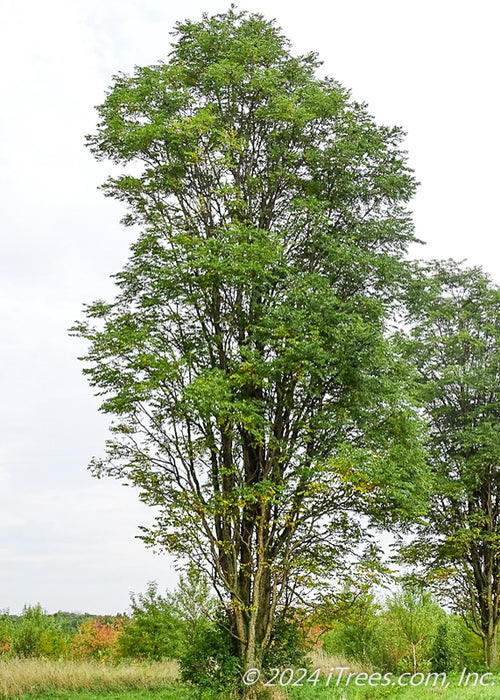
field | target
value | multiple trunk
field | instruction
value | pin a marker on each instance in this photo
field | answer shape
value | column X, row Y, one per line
column 481, row 563
column 246, row 542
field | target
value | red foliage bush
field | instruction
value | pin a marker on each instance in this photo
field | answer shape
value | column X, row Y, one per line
column 97, row 639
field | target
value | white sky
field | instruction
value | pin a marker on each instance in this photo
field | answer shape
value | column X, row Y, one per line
column 67, row 540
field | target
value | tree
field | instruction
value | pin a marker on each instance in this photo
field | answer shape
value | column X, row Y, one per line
column 155, row 630
column 455, row 343
column 258, row 404
column 193, row 600
column 415, row 617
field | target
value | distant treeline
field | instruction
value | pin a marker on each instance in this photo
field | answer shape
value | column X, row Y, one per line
column 65, row 621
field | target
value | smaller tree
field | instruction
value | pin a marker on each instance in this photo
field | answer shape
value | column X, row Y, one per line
column 155, row 631
column 415, row 617
column 453, row 646
column 193, row 601
column 37, row 634
column 454, row 342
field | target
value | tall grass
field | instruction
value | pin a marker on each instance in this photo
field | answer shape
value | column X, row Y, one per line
column 18, row 676
column 319, row 659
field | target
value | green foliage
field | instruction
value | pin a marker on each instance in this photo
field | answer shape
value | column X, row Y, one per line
column 288, row 646
column 454, row 341
column 69, row 622
column 37, row 634
column 359, row 634
column 160, row 627
column 258, row 403
column 193, row 602
column 410, row 631
column 155, row 630
column 187, row 625
column 415, row 617
column 55, row 644
column 452, row 648
column 61, row 635
column 210, row 660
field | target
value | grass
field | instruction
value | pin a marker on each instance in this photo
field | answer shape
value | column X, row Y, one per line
column 167, row 693
column 41, row 679
column 396, row 693
column 449, row 690
column 326, row 662
column 20, row 676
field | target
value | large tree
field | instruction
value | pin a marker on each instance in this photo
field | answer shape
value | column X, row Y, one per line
column 258, row 404
column 455, row 343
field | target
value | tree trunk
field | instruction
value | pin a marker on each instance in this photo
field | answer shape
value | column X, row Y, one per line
column 414, row 659
column 490, row 648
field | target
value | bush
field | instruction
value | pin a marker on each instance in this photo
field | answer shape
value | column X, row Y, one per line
column 6, row 634
column 288, row 645
column 98, row 639
column 360, row 636
column 155, row 631
column 411, row 633
column 455, row 646
column 37, row 634
column 55, row 644
column 210, row 661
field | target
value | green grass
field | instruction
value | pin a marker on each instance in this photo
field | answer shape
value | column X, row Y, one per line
column 109, row 695
column 166, row 693
column 378, row 692
column 178, row 692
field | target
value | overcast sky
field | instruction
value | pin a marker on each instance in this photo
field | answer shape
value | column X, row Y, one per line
column 66, row 539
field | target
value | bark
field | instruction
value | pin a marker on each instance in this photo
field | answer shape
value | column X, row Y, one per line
column 414, row 654
column 490, row 646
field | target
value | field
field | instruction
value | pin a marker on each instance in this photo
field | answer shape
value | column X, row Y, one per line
column 69, row 680
column 85, row 678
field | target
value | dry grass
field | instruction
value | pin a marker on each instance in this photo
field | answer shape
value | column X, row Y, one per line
column 326, row 662
column 18, row 676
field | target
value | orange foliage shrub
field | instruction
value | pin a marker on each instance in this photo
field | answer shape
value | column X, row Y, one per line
column 97, row 639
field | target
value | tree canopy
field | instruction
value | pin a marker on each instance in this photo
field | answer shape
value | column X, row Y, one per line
column 258, row 403
column 454, row 342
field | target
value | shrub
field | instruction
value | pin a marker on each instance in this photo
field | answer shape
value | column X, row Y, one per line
column 98, row 639
column 412, row 633
column 210, row 661
column 360, row 635
column 289, row 645
column 54, row 644
column 455, row 646
column 155, row 631
column 37, row 634
column 6, row 633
